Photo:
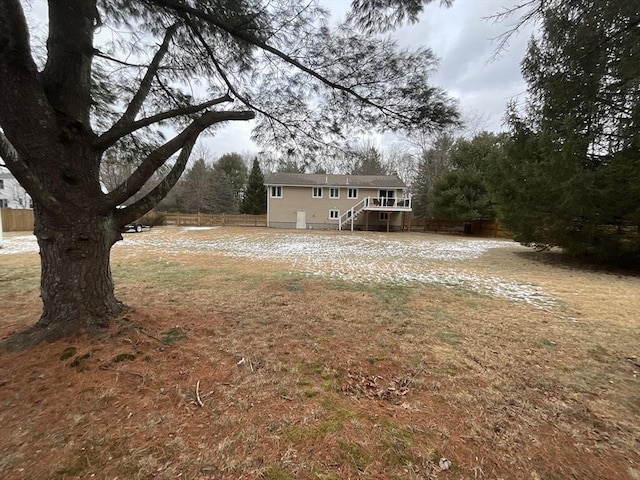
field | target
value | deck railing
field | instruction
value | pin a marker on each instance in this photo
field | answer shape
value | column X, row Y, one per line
column 389, row 204
column 382, row 202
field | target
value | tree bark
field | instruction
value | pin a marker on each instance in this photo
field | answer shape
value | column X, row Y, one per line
column 76, row 283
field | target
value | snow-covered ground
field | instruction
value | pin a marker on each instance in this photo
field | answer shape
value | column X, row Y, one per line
column 358, row 257
column 18, row 244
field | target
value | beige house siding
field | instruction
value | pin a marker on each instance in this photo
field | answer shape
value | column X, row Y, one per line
column 283, row 212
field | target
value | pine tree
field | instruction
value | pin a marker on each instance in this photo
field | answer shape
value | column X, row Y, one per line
column 255, row 196
column 196, row 192
column 230, row 167
column 571, row 177
column 434, row 163
column 368, row 161
column 463, row 193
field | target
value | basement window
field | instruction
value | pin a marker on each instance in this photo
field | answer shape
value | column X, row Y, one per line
column 334, row 214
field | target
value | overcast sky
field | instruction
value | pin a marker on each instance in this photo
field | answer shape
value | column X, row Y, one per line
column 462, row 39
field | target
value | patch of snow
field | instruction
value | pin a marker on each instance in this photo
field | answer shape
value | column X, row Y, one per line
column 355, row 258
column 19, row 244
column 365, row 258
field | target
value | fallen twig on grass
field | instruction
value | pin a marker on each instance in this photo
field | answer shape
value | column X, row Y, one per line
column 633, row 361
column 139, row 330
column 198, row 394
column 208, row 394
column 135, row 374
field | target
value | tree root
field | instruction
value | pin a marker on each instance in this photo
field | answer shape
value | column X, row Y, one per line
column 54, row 331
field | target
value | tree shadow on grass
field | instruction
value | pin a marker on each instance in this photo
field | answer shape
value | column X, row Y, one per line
column 556, row 258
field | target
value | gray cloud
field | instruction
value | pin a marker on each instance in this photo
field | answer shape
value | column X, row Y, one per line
column 464, row 40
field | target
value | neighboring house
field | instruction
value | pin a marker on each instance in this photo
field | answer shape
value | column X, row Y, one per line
column 319, row 201
column 12, row 195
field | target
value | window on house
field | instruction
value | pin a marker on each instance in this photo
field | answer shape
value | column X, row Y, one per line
column 317, row 192
column 1, row 184
column 352, row 193
column 334, row 214
column 334, row 193
column 276, row 192
column 384, row 216
column 387, row 197
column 4, row 203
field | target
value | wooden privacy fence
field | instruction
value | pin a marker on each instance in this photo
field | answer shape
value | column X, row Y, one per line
column 16, row 220
column 479, row 228
column 223, row 219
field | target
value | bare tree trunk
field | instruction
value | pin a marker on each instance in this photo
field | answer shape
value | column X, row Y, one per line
column 76, row 284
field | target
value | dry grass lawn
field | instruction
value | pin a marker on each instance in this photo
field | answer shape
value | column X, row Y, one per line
column 257, row 366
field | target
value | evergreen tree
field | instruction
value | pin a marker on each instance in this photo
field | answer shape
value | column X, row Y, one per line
column 434, row 163
column 461, row 195
column 368, row 161
column 224, row 199
column 196, row 189
column 291, row 165
column 463, row 192
column 255, row 196
column 572, row 174
column 231, row 167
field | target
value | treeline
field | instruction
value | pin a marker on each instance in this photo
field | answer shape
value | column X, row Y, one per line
column 567, row 172
column 225, row 185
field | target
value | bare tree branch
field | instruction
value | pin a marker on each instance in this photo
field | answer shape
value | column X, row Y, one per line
column 27, row 179
column 146, row 203
column 100, row 54
column 185, row 11
column 145, row 85
column 225, row 77
column 236, row 93
column 159, row 156
column 532, row 11
column 116, row 132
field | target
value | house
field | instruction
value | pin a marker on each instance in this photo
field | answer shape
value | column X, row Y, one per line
column 319, row 201
column 12, row 195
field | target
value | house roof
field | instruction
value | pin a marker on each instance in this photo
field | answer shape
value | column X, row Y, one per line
column 317, row 179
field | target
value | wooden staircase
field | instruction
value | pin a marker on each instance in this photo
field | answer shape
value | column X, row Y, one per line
column 350, row 215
